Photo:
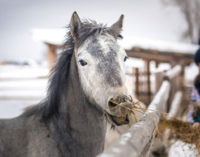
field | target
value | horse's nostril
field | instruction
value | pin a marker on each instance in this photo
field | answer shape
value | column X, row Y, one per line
column 112, row 103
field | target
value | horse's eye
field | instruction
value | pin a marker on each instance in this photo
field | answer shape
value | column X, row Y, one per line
column 125, row 58
column 82, row 62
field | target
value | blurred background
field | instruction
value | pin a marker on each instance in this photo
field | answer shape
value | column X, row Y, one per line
column 158, row 35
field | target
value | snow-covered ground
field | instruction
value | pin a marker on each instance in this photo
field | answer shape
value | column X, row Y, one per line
column 21, row 86
column 182, row 149
column 25, row 72
column 13, row 108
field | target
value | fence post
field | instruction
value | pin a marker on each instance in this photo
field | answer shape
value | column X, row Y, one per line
column 137, row 82
column 148, row 80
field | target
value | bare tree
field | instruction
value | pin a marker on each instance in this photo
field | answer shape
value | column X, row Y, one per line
column 191, row 12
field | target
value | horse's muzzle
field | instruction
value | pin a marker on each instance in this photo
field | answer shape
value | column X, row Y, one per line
column 119, row 107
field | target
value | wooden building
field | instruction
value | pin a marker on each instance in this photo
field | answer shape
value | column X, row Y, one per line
column 146, row 50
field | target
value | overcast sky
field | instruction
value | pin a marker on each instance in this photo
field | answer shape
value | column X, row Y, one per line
column 143, row 18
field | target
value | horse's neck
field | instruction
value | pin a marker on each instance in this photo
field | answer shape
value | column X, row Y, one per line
column 82, row 125
column 84, row 117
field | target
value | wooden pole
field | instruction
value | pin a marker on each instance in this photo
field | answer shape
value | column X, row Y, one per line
column 183, row 76
column 51, row 55
column 148, row 80
column 157, row 64
column 173, row 73
column 159, row 78
column 137, row 83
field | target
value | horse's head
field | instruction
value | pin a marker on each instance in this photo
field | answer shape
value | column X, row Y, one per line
column 100, row 63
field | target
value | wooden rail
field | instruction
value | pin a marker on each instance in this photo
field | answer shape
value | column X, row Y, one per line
column 174, row 111
column 173, row 72
column 175, row 106
column 137, row 140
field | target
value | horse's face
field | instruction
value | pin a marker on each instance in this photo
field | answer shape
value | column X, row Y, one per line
column 100, row 61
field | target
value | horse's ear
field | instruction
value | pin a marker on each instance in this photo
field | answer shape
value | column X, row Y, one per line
column 116, row 28
column 75, row 25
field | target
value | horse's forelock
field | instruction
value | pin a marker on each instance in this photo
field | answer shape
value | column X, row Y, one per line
column 88, row 28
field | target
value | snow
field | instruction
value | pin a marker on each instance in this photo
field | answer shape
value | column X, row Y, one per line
column 33, row 84
column 13, row 108
column 145, row 43
column 52, row 36
column 124, row 138
column 191, row 72
column 22, row 94
column 25, row 72
column 182, row 149
column 20, row 87
column 57, row 37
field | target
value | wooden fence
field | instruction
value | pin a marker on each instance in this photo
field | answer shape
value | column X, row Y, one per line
column 138, row 139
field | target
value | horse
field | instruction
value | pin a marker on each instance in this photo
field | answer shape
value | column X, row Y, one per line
column 71, row 120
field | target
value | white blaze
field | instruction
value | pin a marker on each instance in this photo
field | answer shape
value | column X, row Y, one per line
column 93, row 82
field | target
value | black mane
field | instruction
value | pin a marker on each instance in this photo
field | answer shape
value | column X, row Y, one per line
column 49, row 107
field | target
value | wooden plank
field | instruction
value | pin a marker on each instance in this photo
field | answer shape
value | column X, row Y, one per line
column 158, row 80
column 161, row 53
column 174, row 112
column 173, row 76
column 160, row 56
column 175, row 71
column 175, row 106
column 160, row 99
column 145, row 55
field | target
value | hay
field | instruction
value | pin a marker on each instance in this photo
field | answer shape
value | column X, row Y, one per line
column 126, row 110
column 182, row 131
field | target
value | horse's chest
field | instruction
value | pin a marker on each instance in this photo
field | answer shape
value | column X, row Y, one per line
column 90, row 138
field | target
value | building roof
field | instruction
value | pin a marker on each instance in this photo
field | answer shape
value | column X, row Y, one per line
column 57, row 37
